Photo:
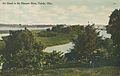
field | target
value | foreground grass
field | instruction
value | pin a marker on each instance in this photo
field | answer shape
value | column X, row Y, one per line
column 101, row 71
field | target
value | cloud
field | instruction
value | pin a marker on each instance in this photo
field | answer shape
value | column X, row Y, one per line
column 69, row 12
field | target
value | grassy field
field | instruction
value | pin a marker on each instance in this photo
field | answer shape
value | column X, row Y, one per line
column 100, row 71
column 59, row 38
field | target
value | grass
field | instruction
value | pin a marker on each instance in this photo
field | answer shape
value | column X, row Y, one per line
column 100, row 71
column 59, row 38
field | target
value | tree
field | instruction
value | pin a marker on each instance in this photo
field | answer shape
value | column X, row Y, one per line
column 114, row 29
column 85, row 44
column 21, row 49
column 18, row 40
column 57, row 28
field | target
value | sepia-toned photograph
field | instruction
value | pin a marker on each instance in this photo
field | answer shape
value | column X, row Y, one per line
column 59, row 37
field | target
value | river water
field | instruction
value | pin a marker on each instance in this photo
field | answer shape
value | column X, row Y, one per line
column 19, row 28
column 63, row 48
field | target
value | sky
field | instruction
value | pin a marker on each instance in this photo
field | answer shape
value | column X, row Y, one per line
column 58, row 12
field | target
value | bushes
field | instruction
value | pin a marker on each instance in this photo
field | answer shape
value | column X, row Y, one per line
column 2, row 44
column 22, row 50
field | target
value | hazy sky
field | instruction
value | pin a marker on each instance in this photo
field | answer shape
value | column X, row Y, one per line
column 60, row 12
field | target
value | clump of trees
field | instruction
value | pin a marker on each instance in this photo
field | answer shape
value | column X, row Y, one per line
column 67, row 29
column 21, row 50
column 85, row 45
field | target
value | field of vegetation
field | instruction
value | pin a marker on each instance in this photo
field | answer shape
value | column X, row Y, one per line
column 59, row 38
column 99, row 71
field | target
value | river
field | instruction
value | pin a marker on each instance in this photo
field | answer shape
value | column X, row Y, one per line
column 63, row 48
column 20, row 28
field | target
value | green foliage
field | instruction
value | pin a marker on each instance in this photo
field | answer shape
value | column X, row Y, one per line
column 104, row 47
column 2, row 44
column 89, row 46
column 114, row 26
column 22, row 50
column 114, row 29
column 75, row 29
column 85, row 44
column 53, row 57
column 17, row 40
column 57, row 39
column 57, row 28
